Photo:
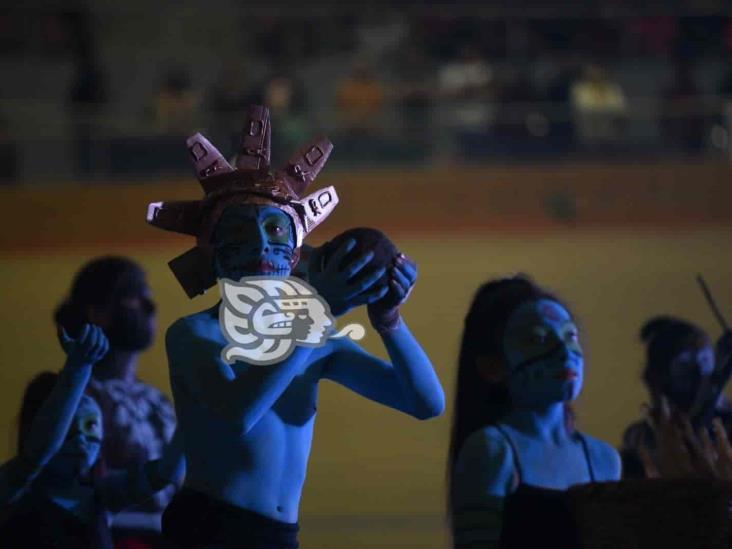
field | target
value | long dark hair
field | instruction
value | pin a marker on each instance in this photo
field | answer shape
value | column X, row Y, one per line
column 665, row 337
column 478, row 402
column 94, row 285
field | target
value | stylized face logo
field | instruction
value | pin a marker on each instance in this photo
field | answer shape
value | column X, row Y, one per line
column 263, row 318
column 80, row 449
column 252, row 240
column 543, row 355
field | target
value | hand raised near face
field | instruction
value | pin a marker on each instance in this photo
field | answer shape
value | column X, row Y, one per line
column 345, row 286
column 384, row 313
column 683, row 453
column 87, row 349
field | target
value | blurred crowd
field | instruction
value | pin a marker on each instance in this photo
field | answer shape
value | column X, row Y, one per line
column 410, row 86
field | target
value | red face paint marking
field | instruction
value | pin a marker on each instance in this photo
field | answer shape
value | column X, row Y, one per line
column 566, row 375
column 550, row 311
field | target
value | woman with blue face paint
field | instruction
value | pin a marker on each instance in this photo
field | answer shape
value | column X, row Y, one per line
column 514, row 449
column 680, row 361
column 54, row 493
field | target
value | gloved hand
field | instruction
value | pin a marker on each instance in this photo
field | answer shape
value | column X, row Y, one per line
column 343, row 289
column 86, row 350
column 384, row 314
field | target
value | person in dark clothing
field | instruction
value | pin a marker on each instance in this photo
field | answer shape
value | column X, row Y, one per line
column 680, row 359
column 55, row 492
column 514, row 449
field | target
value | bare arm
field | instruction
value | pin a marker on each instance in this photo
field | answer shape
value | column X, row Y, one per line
column 51, row 424
column 237, row 392
column 482, row 476
column 408, row 384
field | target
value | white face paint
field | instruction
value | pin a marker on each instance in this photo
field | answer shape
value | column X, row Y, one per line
column 543, row 355
column 699, row 360
column 687, row 371
column 82, row 445
column 253, row 240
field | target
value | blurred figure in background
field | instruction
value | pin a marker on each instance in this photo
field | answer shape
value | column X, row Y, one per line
column 521, row 126
column 683, row 120
column 559, row 96
column 285, row 98
column 600, row 108
column 176, row 104
column 360, row 100
column 465, row 86
column 725, row 107
column 514, row 448
column 56, row 491
column 88, row 93
column 227, row 103
column 414, row 94
column 680, row 359
column 8, row 153
column 112, row 292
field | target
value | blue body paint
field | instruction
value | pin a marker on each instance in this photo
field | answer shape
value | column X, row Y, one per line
column 542, row 367
column 249, row 428
column 64, row 443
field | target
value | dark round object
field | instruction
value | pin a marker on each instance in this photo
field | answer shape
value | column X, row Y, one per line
column 367, row 240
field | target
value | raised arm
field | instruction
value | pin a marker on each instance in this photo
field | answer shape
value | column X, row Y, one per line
column 237, row 392
column 482, row 476
column 409, row 383
column 51, row 424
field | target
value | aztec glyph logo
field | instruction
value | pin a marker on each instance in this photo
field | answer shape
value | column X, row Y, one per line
column 264, row 318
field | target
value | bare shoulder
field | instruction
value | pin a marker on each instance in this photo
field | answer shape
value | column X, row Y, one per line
column 605, row 459
column 483, row 466
column 197, row 324
column 192, row 338
column 485, row 443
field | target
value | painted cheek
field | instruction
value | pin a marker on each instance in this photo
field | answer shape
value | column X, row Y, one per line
column 544, row 377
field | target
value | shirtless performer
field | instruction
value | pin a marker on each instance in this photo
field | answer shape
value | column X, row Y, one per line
column 248, row 428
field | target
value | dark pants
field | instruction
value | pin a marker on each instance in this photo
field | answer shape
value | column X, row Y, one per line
column 194, row 519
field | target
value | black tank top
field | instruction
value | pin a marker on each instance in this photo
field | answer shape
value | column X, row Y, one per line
column 535, row 517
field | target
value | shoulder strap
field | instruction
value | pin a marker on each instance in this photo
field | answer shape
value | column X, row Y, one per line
column 586, row 450
column 514, row 452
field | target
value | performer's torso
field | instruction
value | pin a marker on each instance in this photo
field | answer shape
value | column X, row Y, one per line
column 262, row 470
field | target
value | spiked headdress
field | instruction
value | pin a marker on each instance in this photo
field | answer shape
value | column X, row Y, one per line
column 251, row 182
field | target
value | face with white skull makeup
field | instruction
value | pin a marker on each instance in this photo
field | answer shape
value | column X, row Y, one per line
column 253, row 240
column 82, row 445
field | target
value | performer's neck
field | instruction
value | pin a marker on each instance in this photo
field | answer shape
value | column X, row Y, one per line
column 117, row 365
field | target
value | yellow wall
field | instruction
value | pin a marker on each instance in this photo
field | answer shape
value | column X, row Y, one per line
column 376, row 478
column 373, row 462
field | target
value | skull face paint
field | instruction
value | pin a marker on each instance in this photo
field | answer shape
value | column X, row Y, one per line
column 543, row 356
column 688, row 369
column 82, row 445
column 252, row 240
